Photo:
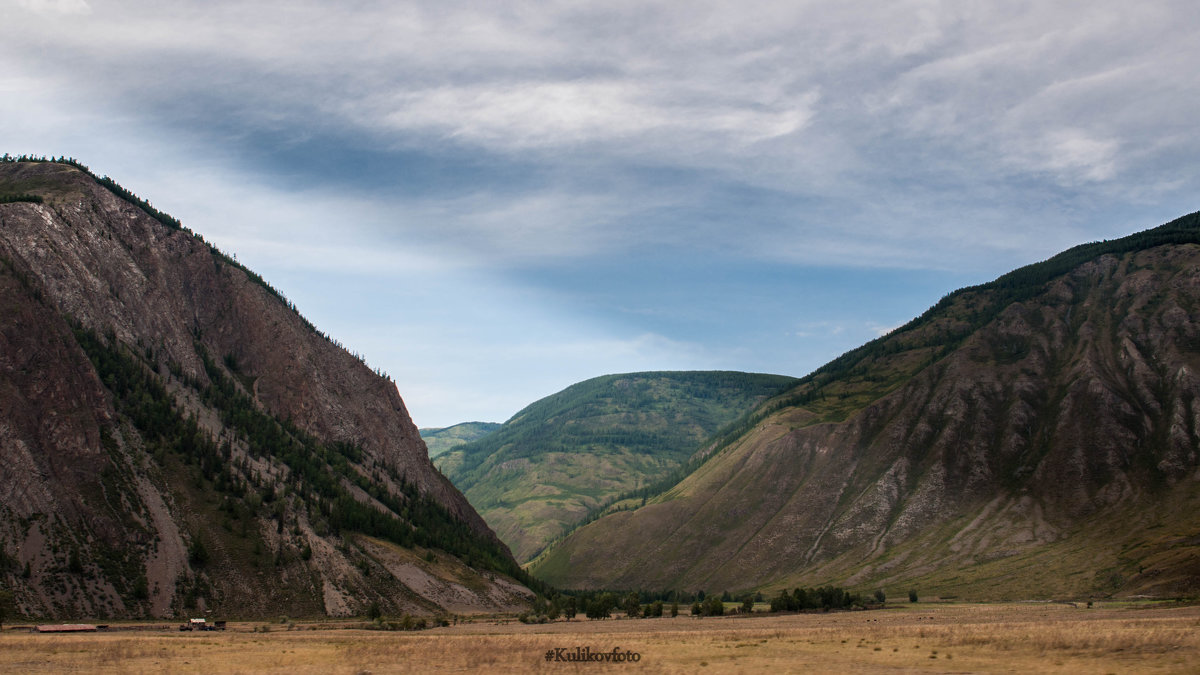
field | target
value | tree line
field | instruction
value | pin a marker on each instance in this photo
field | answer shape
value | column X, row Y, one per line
column 601, row 604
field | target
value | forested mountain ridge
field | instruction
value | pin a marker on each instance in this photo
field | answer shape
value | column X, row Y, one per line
column 441, row 440
column 175, row 437
column 1035, row 436
column 562, row 457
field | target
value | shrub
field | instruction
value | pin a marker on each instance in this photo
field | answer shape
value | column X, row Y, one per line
column 713, row 606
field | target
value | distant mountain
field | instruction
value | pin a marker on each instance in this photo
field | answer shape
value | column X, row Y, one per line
column 440, row 440
column 1037, row 436
column 560, row 458
column 175, row 438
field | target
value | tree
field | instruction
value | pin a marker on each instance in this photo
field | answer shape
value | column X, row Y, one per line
column 197, row 553
column 880, row 597
column 601, row 606
column 802, row 600
column 912, row 595
column 713, row 606
column 674, row 609
column 6, row 606
column 141, row 588
column 782, row 603
column 571, row 607
column 632, row 606
column 748, row 604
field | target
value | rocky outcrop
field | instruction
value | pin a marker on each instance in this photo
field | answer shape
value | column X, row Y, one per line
column 96, row 518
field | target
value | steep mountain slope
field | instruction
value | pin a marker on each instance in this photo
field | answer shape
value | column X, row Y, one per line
column 1033, row 436
column 439, row 441
column 585, row 446
column 175, row 437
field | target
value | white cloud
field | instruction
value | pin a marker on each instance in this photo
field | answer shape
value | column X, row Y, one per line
column 56, row 7
column 542, row 114
column 1073, row 151
column 913, row 134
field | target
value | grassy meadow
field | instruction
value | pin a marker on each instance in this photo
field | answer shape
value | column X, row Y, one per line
column 1026, row 637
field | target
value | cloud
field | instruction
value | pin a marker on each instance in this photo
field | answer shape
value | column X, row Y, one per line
column 56, row 7
column 1071, row 150
column 620, row 168
column 552, row 114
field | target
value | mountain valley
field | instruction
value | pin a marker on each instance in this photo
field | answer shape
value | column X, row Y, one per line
column 564, row 457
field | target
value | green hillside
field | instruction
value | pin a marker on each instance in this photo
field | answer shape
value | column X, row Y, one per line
column 439, row 440
column 576, row 451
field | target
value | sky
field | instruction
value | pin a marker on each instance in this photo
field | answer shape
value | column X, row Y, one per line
column 491, row 201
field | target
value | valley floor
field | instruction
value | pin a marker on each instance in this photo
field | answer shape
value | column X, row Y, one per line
column 1024, row 637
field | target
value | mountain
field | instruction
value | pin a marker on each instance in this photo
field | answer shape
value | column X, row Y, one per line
column 438, row 441
column 572, row 452
column 176, row 438
column 1037, row 436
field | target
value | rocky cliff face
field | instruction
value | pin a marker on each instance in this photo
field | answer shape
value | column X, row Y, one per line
column 1007, row 444
column 104, row 511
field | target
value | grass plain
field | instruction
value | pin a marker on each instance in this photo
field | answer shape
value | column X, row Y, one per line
column 1011, row 637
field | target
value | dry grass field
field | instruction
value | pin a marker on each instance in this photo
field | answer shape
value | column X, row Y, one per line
column 907, row 638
